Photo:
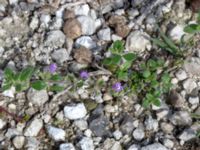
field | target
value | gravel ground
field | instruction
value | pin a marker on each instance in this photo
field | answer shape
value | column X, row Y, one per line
column 75, row 35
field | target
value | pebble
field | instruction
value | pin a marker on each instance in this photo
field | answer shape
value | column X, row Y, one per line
column 187, row 135
column 60, row 55
column 33, row 128
column 104, row 34
column 88, row 26
column 81, row 124
column 18, row 142
column 83, row 55
column 86, row 143
column 168, row 143
column 55, row 39
column 151, row 124
column 193, row 100
column 66, row 146
column 181, row 75
column 10, row 92
column 56, row 134
column 122, row 30
column 138, row 134
column 116, row 146
column 189, row 85
column 76, row 111
column 134, row 147
column 126, row 125
column 2, row 123
column 167, row 127
column 175, row 99
column 72, row 28
column 177, row 32
column 37, row 97
column 85, row 41
column 32, row 143
column 192, row 66
column 181, row 118
column 117, row 134
column 137, row 42
column 82, row 10
column 155, row 146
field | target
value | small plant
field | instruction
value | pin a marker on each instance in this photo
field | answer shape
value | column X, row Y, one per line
column 119, row 62
column 194, row 27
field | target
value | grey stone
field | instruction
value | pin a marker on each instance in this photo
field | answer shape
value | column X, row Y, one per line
column 82, row 10
column 60, row 55
column 155, row 146
column 86, row 144
column 168, row 143
column 74, row 112
column 55, row 39
column 181, row 118
column 117, row 134
column 81, row 124
column 32, row 143
column 87, row 25
column 175, row 99
column 192, row 66
column 193, row 100
column 116, row 146
column 167, row 127
column 37, row 97
column 177, row 32
column 12, row 132
column 134, row 147
column 33, row 128
column 66, row 146
column 56, row 134
column 138, row 134
column 126, row 125
column 18, row 142
column 104, row 34
column 137, row 41
column 151, row 124
column 189, row 85
column 187, row 135
column 181, row 75
column 2, row 123
column 85, row 41
column 34, row 22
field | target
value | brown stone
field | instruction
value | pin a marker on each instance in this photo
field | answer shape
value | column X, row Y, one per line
column 175, row 99
column 72, row 28
column 83, row 55
column 116, row 19
column 122, row 30
column 195, row 4
column 69, row 14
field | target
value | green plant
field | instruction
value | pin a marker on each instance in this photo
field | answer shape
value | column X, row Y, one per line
column 148, row 84
column 194, row 27
column 119, row 62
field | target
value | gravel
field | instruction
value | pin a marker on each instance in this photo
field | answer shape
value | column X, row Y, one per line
column 34, row 127
column 56, row 134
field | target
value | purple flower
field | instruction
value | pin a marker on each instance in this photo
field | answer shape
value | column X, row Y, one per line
column 52, row 68
column 117, row 87
column 84, row 74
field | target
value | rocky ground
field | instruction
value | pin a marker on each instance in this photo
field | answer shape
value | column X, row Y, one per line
column 75, row 34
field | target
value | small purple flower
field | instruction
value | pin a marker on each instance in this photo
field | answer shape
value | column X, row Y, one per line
column 117, row 87
column 52, row 68
column 84, row 74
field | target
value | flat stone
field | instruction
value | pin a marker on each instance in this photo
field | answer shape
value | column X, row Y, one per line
column 189, row 85
column 126, row 125
column 80, row 10
column 175, row 99
column 138, row 134
column 193, row 100
column 168, row 143
column 72, row 28
column 76, row 111
column 37, row 97
column 181, row 75
column 104, row 34
column 56, row 134
column 187, row 135
column 33, row 128
column 192, row 66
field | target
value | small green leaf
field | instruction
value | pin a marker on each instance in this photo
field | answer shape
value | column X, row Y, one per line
column 146, row 73
column 56, row 77
column 126, row 65
column 18, row 87
column 192, row 28
column 159, row 42
column 122, row 75
column 56, row 88
column 115, row 59
column 145, row 103
column 6, row 86
column 129, row 57
column 107, row 61
column 117, row 47
column 16, row 76
column 80, row 84
column 39, row 85
column 8, row 73
column 26, row 73
column 156, row 102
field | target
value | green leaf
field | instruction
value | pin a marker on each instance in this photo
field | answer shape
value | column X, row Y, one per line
column 107, row 61
column 156, row 102
column 115, row 59
column 16, row 76
column 18, row 87
column 6, row 86
column 26, row 73
column 117, row 47
column 145, row 103
column 192, row 28
column 56, row 88
column 166, row 78
column 8, row 73
column 159, row 42
column 56, row 77
column 129, row 57
column 146, row 73
column 126, row 65
column 80, row 84
column 39, row 85
column 122, row 75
